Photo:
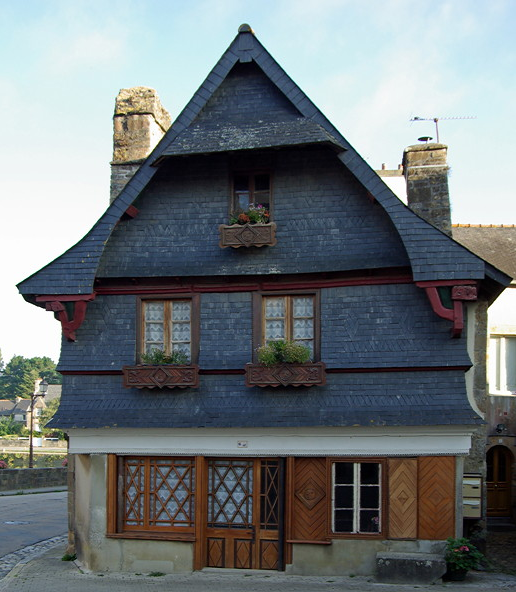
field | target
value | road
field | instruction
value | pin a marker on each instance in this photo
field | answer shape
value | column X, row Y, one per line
column 30, row 518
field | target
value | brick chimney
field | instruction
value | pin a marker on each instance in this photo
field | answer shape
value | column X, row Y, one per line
column 139, row 123
column 426, row 174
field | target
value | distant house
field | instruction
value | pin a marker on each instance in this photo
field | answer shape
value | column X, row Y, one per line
column 224, row 462
column 20, row 410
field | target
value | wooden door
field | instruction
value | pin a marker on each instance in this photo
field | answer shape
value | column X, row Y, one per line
column 243, row 514
column 498, row 481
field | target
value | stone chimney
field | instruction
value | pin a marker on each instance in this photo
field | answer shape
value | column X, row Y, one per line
column 426, row 174
column 139, row 123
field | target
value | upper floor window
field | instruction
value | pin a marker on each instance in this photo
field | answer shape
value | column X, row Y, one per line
column 169, row 325
column 251, row 189
column 502, row 365
column 287, row 317
column 357, row 497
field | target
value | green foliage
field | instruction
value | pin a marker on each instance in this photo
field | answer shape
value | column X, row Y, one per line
column 46, row 415
column 277, row 352
column 20, row 460
column 10, row 427
column 21, row 373
column 158, row 356
column 462, row 554
column 68, row 557
column 1, row 362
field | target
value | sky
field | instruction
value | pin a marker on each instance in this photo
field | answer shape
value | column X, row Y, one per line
column 370, row 66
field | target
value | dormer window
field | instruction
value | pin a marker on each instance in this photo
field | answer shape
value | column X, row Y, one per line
column 251, row 189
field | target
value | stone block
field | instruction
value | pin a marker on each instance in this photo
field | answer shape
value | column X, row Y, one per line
column 409, row 568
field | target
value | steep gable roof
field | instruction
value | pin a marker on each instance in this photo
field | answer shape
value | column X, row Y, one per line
column 433, row 255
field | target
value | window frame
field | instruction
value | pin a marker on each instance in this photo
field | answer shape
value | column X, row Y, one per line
column 258, row 317
column 382, row 508
column 497, row 364
column 234, row 206
column 116, row 528
column 194, row 322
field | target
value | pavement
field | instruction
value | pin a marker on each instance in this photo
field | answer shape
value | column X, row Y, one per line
column 39, row 567
column 42, row 569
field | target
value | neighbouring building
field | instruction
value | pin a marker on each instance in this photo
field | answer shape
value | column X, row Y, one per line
column 221, row 461
column 497, row 244
column 20, row 411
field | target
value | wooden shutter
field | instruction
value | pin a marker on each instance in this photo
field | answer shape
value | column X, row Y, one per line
column 402, row 495
column 436, row 481
column 309, row 499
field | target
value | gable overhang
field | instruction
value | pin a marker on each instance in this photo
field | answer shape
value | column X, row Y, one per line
column 433, row 255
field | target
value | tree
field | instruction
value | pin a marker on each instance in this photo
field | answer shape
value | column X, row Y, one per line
column 1, row 362
column 21, row 373
column 47, row 414
column 10, row 427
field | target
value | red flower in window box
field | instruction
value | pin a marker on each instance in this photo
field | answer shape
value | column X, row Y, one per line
column 251, row 228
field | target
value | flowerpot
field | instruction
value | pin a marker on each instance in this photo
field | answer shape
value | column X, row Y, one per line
column 455, row 574
column 161, row 376
column 247, row 235
column 309, row 374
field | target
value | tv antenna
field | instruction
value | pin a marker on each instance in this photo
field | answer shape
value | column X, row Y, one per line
column 436, row 121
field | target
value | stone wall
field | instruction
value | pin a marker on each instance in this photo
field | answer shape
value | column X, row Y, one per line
column 6, row 444
column 23, row 479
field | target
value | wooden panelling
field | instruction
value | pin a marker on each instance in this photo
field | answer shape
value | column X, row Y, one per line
column 436, row 484
column 215, row 552
column 111, row 488
column 309, row 500
column 402, row 507
column 269, row 554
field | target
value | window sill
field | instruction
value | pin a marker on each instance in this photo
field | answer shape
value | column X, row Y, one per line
column 309, row 374
column 161, row 376
column 149, row 535
column 247, row 235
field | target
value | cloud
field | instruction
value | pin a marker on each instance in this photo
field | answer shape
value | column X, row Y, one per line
column 95, row 48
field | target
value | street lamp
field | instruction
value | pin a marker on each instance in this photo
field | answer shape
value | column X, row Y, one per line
column 42, row 391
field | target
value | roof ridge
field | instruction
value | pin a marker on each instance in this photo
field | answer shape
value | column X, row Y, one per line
column 483, row 225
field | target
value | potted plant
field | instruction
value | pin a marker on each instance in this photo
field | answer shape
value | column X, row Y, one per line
column 460, row 556
column 285, row 363
column 250, row 228
column 162, row 370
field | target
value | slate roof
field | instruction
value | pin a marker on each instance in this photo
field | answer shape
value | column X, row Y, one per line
column 6, row 407
column 494, row 243
column 433, row 255
column 352, row 399
column 249, row 136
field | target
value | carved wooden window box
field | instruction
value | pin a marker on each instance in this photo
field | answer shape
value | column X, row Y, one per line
column 161, row 376
column 248, row 235
column 309, row 374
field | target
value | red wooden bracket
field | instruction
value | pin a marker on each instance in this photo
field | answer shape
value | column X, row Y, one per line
column 459, row 294
column 56, row 304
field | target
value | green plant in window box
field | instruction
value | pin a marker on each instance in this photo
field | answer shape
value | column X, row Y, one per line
column 159, row 357
column 255, row 214
column 281, row 351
